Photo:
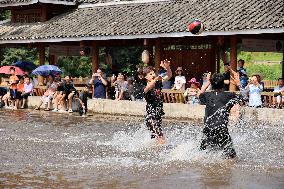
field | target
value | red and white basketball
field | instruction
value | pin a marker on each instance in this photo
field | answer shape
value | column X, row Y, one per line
column 195, row 27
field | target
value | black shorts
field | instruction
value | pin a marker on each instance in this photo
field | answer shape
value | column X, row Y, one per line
column 25, row 96
column 13, row 94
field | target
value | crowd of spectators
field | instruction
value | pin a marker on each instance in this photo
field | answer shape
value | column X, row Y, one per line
column 61, row 92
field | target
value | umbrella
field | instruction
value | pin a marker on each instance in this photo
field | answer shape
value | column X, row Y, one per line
column 6, row 70
column 46, row 70
column 27, row 66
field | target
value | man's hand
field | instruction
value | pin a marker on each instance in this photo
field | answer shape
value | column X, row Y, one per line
column 235, row 79
column 165, row 64
column 208, row 77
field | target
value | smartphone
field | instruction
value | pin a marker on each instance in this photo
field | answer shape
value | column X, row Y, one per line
column 162, row 74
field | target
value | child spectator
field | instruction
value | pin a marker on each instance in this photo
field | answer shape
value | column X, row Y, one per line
column 20, row 91
column 83, row 101
column 12, row 94
column 28, row 90
column 278, row 98
column 191, row 93
column 254, row 87
column 243, row 73
column 153, row 97
column 179, row 80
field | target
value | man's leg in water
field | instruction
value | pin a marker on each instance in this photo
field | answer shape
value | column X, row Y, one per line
column 225, row 143
column 218, row 138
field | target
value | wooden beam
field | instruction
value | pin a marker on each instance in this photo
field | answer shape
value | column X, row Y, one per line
column 95, row 57
column 41, row 50
column 233, row 58
column 158, row 53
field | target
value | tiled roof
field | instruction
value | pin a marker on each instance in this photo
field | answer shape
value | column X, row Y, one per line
column 145, row 20
column 8, row 3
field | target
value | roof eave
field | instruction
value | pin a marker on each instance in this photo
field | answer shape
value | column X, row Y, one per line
column 147, row 36
column 36, row 1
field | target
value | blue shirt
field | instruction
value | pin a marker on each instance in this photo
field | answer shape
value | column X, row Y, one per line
column 99, row 89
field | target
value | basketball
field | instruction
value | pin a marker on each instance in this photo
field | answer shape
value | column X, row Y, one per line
column 195, row 27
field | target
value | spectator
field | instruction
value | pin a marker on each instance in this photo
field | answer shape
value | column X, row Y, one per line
column 120, row 87
column 49, row 94
column 278, row 98
column 99, row 83
column 12, row 94
column 204, row 81
column 28, row 90
column 139, row 85
column 179, row 80
column 226, row 77
column 254, row 87
column 20, row 91
column 166, row 84
column 83, row 101
column 242, row 73
column 130, row 89
column 68, row 93
column 58, row 96
column 191, row 93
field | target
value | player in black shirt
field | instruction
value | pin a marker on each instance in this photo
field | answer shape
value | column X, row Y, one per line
column 154, row 99
column 218, row 105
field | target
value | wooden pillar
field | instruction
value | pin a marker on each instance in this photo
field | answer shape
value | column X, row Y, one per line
column 158, row 53
column 218, row 59
column 53, row 59
column 41, row 50
column 44, row 15
column 233, row 58
column 95, row 57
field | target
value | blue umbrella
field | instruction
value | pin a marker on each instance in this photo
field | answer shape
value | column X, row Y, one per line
column 26, row 66
column 46, row 70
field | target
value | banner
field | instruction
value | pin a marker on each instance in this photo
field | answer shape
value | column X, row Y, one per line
column 262, row 45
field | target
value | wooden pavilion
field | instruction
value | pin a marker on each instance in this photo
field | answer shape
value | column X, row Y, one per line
column 68, row 26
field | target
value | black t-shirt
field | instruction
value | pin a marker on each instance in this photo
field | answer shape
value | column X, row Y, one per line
column 215, row 100
column 226, row 77
column 154, row 96
column 68, row 87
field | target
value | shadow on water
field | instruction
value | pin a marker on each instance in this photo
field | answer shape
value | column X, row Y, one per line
column 45, row 149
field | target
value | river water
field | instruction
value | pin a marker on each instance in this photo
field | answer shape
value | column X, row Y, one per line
column 49, row 150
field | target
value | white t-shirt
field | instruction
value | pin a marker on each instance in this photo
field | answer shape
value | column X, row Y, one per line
column 179, row 81
column 278, row 90
column 255, row 95
column 28, row 88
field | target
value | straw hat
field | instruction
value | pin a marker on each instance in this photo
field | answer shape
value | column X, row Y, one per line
column 179, row 69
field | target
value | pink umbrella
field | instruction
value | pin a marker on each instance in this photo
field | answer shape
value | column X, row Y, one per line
column 6, row 70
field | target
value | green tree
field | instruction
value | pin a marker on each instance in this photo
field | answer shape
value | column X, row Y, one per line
column 13, row 55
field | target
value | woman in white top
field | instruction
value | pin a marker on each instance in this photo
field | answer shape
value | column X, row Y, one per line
column 179, row 80
column 254, row 88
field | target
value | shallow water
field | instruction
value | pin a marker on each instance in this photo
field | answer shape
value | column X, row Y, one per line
column 49, row 150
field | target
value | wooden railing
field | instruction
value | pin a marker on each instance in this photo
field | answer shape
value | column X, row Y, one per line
column 176, row 96
column 173, row 96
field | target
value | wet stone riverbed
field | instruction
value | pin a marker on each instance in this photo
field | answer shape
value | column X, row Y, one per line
column 49, row 150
